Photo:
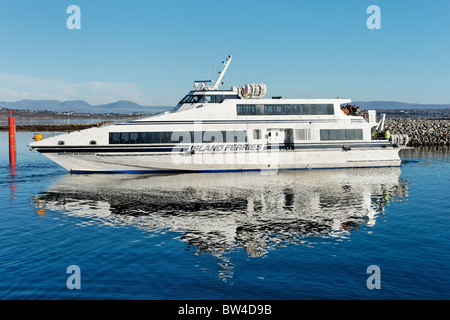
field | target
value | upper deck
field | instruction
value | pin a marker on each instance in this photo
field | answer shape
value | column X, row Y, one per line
column 207, row 102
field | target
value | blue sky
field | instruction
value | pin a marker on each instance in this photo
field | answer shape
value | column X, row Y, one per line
column 150, row 52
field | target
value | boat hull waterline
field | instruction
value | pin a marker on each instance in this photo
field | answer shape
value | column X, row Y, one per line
column 77, row 162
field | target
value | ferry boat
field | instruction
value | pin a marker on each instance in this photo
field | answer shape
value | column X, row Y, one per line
column 227, row 130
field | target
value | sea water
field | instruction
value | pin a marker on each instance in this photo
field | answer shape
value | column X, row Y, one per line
column 315, row 234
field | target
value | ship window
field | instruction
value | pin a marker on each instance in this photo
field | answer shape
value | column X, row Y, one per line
column 191, row 99
column 313, row 109
column 231, row 96
column 273, row 109
column 155, row 137
column 341, row 134
column 221, row 98
column 194, row 99
column 285, row 109
column 93, row 142
column 302, row 134
column 257, row 134
column 185, row 99
column 207, row 99
column 325, row 109
column 251, row 109
column 240, row 109
column 144, row 137
column 134, row 137
column 60, row 143
column 114, row 138
column 166, row 137
column 124, row 137
column 243, row 109
column 259, row 109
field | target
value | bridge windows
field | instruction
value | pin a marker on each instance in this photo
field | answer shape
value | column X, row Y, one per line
column 213, row 98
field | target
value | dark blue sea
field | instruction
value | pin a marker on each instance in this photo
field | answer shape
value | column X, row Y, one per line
column 321, row 234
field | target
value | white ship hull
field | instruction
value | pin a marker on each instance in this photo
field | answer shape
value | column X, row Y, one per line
column 243, row 161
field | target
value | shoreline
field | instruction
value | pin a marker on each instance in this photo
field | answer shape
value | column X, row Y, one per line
column 56, row 127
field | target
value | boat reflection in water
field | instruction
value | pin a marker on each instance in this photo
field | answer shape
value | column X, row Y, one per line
column 221, row 212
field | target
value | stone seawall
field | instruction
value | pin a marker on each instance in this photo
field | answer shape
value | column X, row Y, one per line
column 421, row 132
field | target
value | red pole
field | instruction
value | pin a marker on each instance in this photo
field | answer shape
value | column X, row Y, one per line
column 12, row 139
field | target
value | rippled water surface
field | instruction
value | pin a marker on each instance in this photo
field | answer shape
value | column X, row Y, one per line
column 288, row 235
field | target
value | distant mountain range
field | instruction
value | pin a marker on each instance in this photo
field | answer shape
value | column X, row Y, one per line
column 125, row 107
column 397, row 105
column 81, row 106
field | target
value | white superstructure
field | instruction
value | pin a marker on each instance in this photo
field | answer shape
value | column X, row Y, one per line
column 227, row 130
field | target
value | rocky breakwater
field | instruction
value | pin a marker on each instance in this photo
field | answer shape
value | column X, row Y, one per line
column 421, row 132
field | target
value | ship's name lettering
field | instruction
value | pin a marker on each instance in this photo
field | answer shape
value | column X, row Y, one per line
column 226, row 147
column 74, row 153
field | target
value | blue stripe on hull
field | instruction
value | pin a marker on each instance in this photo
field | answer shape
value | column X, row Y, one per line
column 212, row 171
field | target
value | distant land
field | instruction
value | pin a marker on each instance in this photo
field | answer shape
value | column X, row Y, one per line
column 81, row 106
column 386, row 105
column 126, row 107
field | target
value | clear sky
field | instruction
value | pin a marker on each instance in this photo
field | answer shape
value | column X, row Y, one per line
column 150, row 52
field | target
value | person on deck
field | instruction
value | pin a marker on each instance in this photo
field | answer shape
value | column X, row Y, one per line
column 375, row 135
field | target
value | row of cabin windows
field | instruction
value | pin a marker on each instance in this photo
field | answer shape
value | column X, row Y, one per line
column 177, row 137
column 284, row 109
column 237, row 136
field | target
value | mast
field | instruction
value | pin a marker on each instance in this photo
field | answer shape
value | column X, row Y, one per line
column 226, row 63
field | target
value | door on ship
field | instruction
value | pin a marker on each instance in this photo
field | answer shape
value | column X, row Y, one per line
column 275, row 136
column 289, row 139
column 281, row 138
